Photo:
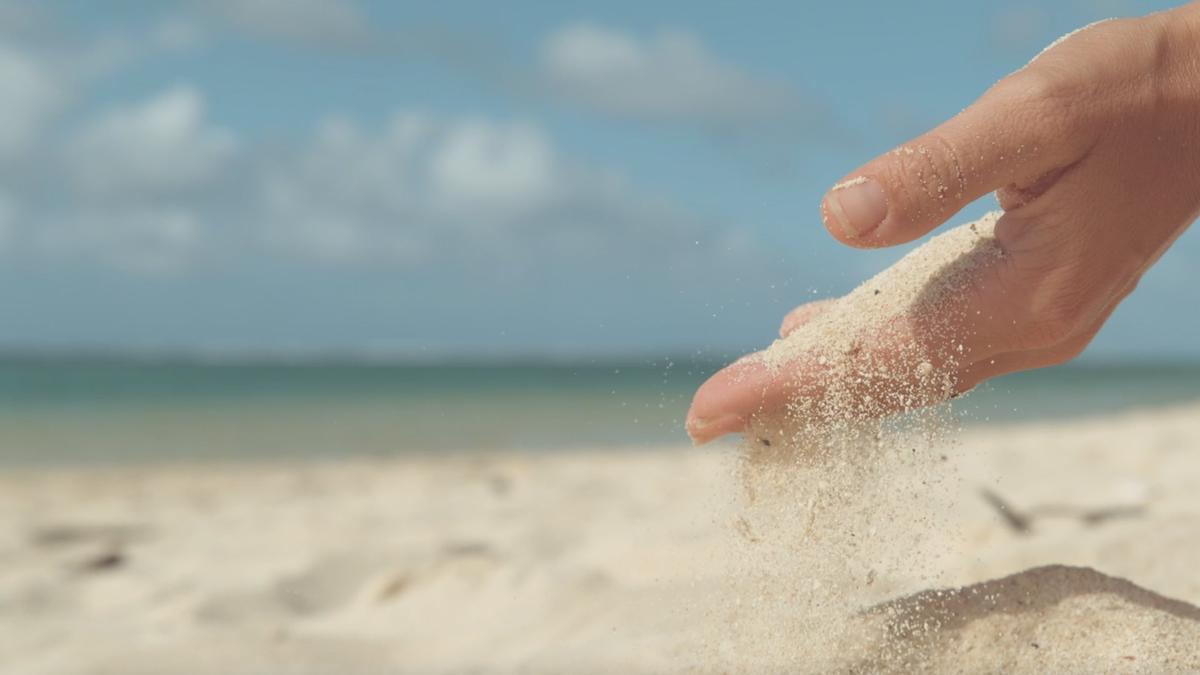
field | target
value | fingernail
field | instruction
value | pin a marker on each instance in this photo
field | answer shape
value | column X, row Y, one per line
column 704, row 430
column 856, row 206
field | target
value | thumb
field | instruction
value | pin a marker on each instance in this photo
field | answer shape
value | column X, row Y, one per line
column 1020, row 130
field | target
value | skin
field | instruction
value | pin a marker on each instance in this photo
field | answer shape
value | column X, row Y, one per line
column 1091, row 150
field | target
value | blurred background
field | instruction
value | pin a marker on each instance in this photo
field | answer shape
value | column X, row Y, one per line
column 253, row 228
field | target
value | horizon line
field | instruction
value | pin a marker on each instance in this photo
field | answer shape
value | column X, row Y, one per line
column 529, row 358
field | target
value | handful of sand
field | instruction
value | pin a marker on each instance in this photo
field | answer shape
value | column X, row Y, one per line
column 893, row 344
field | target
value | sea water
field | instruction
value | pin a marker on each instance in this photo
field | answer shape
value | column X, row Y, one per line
column 91, row 410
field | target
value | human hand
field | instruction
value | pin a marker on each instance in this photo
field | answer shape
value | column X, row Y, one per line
column 1093, row 150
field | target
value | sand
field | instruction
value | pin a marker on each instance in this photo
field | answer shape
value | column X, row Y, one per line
column 1048, row 619
column 839, row 491
column 919, row 283
column 600, row 561
column 833, row 540
column 895, row 343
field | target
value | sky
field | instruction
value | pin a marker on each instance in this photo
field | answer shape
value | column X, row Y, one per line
column 476, row 179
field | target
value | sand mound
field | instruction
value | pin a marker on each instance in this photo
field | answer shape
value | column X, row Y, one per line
column 1053, row 619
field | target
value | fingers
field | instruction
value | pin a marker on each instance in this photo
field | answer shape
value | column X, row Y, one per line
column 725, row 403
column 1021, row 130
column 882, row 378
column 718, row 405
column 802, row 315
column 885, row 377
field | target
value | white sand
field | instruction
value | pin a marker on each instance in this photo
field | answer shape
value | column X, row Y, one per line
column 855, row 503
column 594, row 562
column 894, row 343
column 918, row 284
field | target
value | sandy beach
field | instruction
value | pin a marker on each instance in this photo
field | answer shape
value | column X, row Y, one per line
column 349, row 337
column 597, row 561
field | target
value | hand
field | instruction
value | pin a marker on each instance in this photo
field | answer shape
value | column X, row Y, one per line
column 1093, row 150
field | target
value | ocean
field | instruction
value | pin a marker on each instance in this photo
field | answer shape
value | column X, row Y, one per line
column 103, row 411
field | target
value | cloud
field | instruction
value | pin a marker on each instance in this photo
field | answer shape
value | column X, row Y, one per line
column 423, row 191
column 483, row 168
column 139, row 238
column 345, row 196
column 31, row 93
column 137, row 187
column 160, row 146
column 123, row 186
column 306, row 21
column 669, row 78
column 46, row 68
column 155, row 186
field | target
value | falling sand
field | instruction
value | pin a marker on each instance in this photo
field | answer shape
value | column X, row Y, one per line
column 845, row 496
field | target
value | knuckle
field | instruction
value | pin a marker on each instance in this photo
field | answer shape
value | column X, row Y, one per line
column 928, row 175
column 1049, row 93
column 1044, row 96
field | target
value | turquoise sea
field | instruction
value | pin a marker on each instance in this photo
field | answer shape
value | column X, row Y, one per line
column 62, row 410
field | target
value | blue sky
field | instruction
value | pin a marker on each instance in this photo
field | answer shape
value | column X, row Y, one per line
column 475, row 178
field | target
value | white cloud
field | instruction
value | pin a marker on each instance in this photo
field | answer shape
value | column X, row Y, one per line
column 316, row 21
column 480, row 167
column 142, row 186
column 421, row 189
column 346, row 195
column 31, row 93
column 154, row 186
column 44, row 67
column 669, row 78
column 126, row 187
column 141, row 239
column 160, row 146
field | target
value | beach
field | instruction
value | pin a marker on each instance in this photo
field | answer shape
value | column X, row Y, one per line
column 364, row 338
column 596, row 560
